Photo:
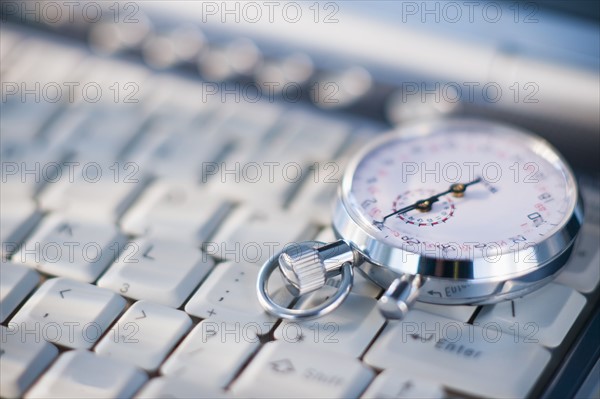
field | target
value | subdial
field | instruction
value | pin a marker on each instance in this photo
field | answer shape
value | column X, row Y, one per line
column 439, row 212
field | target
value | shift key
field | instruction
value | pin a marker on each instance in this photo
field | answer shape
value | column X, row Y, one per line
column 281, row 370
column 480, row 361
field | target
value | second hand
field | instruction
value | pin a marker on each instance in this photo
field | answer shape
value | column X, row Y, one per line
column 424, row 205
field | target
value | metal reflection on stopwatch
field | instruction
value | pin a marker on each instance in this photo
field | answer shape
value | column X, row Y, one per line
column 450, row 212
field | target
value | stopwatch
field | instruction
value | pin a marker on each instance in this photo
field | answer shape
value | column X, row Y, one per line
column 457, row 211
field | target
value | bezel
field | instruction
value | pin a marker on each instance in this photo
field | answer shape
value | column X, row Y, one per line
column 548, row 256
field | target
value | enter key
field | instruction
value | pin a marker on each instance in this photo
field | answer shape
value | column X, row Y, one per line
column 460, row 356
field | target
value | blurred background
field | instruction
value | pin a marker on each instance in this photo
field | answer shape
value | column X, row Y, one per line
column 534, row 64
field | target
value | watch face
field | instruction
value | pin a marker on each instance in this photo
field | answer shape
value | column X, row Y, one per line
column 461, row 190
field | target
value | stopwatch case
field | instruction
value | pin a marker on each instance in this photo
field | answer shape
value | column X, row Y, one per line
column 455, row 282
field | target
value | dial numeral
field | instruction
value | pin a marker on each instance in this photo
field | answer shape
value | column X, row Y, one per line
column 366, row 203
column 546, row 197
column 517, row 239
column 411, row 240
column 536, row 218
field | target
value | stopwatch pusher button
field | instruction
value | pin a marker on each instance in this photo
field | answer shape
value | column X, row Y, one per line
column 399, row 297
column 307, row 269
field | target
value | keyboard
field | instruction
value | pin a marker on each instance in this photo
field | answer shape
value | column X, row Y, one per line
column 137, row 207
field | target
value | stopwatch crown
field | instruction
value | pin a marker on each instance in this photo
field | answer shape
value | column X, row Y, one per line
column 307, row 268
column 304, row 270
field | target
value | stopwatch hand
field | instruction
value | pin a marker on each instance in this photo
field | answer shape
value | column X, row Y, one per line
column 424, row 205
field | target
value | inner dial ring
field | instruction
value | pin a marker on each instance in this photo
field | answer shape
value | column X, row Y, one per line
column 441, row 211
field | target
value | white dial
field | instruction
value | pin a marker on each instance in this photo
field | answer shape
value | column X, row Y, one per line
column 462, row 192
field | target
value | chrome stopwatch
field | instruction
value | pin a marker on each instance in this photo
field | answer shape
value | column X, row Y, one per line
column 448, row 212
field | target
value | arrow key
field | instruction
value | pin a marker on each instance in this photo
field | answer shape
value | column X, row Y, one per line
column 397, row 384
column 144, row 335
column 68, row 313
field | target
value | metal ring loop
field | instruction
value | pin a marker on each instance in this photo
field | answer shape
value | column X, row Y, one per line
column 279, row 311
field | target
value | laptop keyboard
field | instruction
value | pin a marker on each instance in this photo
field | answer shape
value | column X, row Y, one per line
column 133, row 225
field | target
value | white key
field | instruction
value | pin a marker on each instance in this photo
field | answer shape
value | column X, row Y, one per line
column 174, row 110
column 255, row 170
column 281, row 370
column 68, row 313
column 185, row 154
column 22, row 359
column 145, row 334
column 161, row 270
column 17, row 218
column 361, row 285
column 106, row 134
column 36, row 70
column 27, row 167
column 26, row 120
column 76, row 249
column 544, row 316
column 229, row 293
column 16, row 282
column 315, row 139
column 455, row 312
column 83, row 374
column 100, row 192
column 316, row 195
column 315, row 199
column 154, row 136
column 582, row 271
column 269, row 173
column 247, row 122
column 167, row 387
column 459, row 355
column 348, row 330
column 219, row 349
column 396, row 384
column 176, row 210
column 264, row 179
column 179, row 96
column 173, row 105
column 57, row 135
column 253, row 236
column 246, row 126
